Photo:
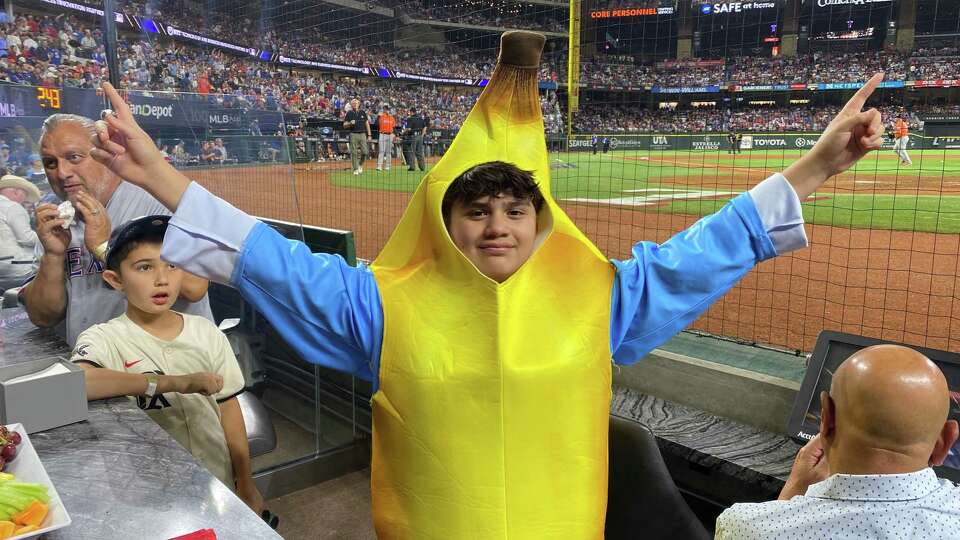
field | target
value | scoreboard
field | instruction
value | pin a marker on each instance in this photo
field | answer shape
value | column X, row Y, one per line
column 21, row 101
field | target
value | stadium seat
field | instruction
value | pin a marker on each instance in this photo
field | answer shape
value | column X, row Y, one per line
column 643, row 501
column 260, row 431
column 261, row 434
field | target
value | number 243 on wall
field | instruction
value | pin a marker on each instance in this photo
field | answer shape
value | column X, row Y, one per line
column 48, row 98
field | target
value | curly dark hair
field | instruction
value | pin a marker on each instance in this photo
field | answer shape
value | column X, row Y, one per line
column 492, row 178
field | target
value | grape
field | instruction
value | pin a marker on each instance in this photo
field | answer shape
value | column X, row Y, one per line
column 15, row 438
column 9, row 452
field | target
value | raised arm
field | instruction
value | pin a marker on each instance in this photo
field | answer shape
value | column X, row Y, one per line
column 663, row 288
column 848, row 137
column 328, row 311
column 126, row 149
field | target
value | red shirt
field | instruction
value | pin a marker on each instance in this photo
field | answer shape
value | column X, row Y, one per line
column 203, row 85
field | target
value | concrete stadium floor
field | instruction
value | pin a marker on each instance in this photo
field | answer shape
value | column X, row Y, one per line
column 336, row 509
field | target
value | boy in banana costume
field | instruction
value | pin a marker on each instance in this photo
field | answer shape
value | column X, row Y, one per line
column 488, row 324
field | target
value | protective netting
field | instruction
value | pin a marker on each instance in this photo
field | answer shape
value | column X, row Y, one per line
column 656, row 113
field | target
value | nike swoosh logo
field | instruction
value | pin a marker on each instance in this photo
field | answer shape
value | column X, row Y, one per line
column 128, row 365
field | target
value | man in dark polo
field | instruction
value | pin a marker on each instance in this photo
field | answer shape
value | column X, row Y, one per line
column 358, row 124
column 417, row 126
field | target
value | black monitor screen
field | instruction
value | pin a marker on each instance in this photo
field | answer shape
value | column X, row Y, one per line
column 831, row 350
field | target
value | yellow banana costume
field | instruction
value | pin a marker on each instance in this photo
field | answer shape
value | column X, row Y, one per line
column 492, row 413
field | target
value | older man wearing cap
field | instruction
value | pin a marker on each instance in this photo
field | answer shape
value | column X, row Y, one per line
column 17, row 239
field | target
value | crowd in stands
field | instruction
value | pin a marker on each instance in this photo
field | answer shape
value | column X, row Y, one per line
column 50, row 51
column 816, row 67
column 935, row 64
column 813, row 67
column 327, row 41
column 625, row 119
column 63, row 50
column 483, row 13
column 599, row 73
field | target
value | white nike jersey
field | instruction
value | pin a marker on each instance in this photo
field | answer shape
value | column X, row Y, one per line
column 192, row 419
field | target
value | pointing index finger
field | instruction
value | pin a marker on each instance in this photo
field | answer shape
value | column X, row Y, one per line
column 117, row 103
column 858, row 100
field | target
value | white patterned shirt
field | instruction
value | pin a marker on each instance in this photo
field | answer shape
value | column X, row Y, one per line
column 915, row 505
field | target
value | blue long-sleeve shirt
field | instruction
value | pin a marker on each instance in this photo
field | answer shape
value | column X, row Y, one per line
column 331, row 313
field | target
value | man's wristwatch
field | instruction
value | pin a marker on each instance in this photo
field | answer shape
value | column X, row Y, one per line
column 100, row 252
column 152, row 381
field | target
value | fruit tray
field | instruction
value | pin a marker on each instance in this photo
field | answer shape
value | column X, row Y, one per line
column 27, row 468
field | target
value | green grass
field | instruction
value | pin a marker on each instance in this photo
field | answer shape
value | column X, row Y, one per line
column 615, row 174
column 925, row 213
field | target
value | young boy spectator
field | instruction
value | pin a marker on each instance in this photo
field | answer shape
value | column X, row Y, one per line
column 179, row 368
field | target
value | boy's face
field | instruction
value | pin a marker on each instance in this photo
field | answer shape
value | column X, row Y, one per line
column 497, row 234
column 150, row 284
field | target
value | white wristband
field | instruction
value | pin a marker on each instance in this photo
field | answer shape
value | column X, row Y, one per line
column 151, row 385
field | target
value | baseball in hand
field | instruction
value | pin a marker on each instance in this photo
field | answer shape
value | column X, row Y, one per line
column 67, row 213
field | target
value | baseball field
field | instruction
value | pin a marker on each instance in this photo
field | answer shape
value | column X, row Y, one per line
column 883, row 252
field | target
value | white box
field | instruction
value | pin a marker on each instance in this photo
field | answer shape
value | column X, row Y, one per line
column 46, row 402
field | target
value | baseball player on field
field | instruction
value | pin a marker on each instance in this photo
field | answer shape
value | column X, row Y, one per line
column 901, row 137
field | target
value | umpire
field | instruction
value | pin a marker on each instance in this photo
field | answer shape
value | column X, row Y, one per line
column 417, row 127
column 359, row 125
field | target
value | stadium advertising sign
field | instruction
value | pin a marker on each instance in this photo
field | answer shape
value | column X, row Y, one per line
column 580, row 144
column 717, row 142
column 322, row 65
column 157, row 111
column 432, row 78
column 684, row 89
column 705, row 142
column 828, row 3
column 734, row 7
column 857, row 85
column 226, row 118
column 946, row 142
column 660, row 142
column 940, row 83
column 85, row 9
column 761, row 87
column 674, row 64
column 176, row 32
column 634, row 12
column 750, row 142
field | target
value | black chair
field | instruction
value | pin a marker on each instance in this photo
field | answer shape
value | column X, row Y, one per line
column 643, row 502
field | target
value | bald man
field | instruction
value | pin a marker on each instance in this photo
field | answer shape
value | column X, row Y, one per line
column 867, row 474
